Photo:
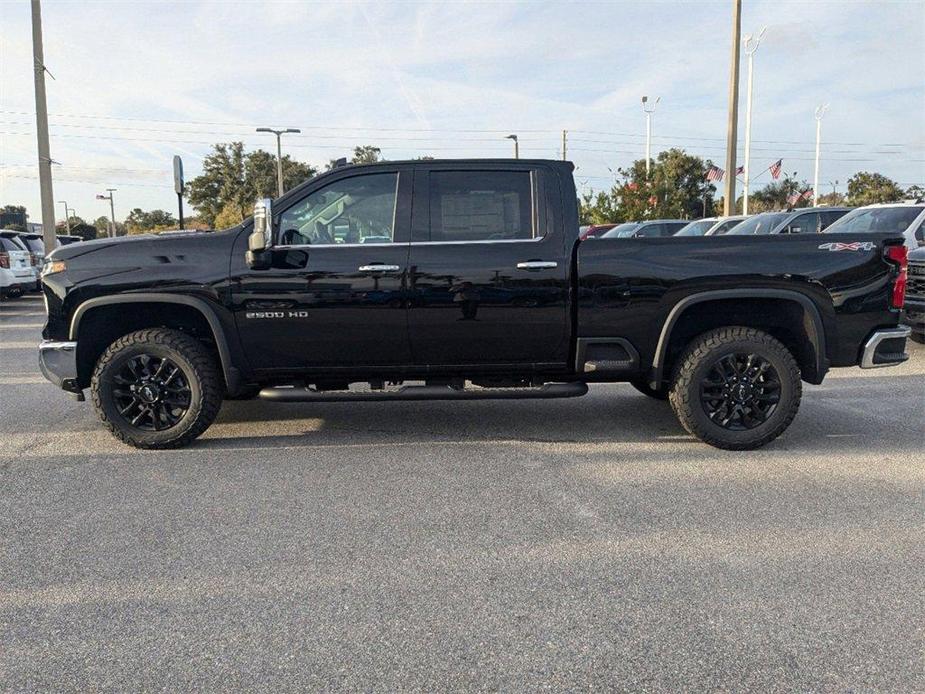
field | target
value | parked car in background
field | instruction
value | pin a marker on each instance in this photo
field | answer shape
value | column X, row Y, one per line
column 698, row 227
column 907, row 218
column 708, row 226
column 32, row 283
column 36, row 246
column 651, row 228
column 595, row 231
column 809, row 220
column 915, row 295
column 16, row 273
column 725, row 224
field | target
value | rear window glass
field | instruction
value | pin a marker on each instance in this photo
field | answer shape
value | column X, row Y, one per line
column 896, row 219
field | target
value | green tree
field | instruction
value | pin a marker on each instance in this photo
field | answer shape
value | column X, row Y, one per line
column 776, row 196
column 62, row 227
column 85, row 231
column 233, row 180
column 140, row 222
column 676, row 188
column 102, row 227
column 362, row 154
column 602, row 207
column 832, row 199
column 915, row 193
column 866, row 188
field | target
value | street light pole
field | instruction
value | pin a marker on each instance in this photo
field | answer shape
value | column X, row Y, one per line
column 649, row 110
column 67, row 219
column 564, row 143
column 751, row 45
column 516, row 145
column 820, row 112
column 733, row 119
column 112, row 210
column 279, row 154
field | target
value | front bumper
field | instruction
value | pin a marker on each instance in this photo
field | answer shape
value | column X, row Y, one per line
column 58, row 361
column 885, row 347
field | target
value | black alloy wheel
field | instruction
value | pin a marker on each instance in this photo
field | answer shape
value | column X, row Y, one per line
column 151, row 392
column 740, row 391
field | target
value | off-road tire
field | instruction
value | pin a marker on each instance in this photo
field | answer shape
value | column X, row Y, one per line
column 643, row 387
column 918, row 337
column 702, row 354
column 198, row 367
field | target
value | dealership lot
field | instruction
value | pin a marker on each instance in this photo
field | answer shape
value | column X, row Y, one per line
column 494, row 545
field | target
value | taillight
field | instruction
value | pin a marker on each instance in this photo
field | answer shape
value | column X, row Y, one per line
column 4, row 260
column 899, row 255
column 33, row 261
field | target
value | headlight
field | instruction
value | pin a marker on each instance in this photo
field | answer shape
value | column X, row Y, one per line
column 53, row 267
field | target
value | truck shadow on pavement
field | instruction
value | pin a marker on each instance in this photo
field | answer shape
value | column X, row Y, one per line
column 838, row 416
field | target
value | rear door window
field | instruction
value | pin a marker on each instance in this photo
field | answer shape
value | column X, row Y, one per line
column 481, row 206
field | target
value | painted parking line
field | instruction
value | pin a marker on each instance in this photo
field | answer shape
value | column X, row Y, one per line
column 22, row 380
column 19, row 326
column 18, row 344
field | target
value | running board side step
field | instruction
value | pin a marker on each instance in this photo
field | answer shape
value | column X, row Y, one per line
column 301, row 394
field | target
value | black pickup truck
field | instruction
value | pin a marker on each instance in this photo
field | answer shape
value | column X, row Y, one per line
column 460, row 280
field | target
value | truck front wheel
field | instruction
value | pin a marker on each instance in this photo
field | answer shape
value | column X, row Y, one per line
column 736, row 388
column 156, row 388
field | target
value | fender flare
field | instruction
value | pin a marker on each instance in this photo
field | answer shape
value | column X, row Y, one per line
column 816, row 336
column 231, row 374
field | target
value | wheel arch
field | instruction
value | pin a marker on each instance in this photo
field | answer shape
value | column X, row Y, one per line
column 193, row 307
column 813, row 361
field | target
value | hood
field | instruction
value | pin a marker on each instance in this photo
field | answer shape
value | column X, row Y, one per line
column 140, row 243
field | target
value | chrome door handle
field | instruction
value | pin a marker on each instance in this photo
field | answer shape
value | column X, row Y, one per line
column 379, row 267
column 537, row 265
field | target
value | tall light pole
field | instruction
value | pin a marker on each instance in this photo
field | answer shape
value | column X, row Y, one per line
column 820, row 112
column 67, row 219
column 751, row 45
column 564, row 143
column 516, row 145
column 729, row 196
column 112, row 210
column 41, row 128
column 649, row 110
column 279, row 154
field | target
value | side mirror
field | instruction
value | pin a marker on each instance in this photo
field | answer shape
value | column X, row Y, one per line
column 260, row 242
column 794, row 229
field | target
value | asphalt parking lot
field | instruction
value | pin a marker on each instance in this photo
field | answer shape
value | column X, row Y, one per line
column 567, row 544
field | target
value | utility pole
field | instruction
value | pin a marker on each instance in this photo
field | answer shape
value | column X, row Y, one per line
column 67, row 219
column 820, row 112
column 516, row 145
column 279, row 154
column 649, row 110
column 751, row 45
column 729, row 199
column 41, row 127
column 564, row 144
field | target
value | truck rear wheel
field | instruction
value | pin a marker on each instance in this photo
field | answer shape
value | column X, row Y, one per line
column 156, row 388
column 736, row 388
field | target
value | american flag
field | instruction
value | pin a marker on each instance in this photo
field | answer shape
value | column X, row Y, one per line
column 794, row 197
column 714, row 173
column 740, row 169
column 775, row 168
column 808, row 194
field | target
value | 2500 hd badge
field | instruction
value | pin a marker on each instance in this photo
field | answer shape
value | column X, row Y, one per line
column 276, row 314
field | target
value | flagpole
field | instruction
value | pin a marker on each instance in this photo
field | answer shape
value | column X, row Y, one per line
column 820, row 112
column 751, row 45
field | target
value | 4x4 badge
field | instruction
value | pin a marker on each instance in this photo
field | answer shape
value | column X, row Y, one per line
column 853, row 246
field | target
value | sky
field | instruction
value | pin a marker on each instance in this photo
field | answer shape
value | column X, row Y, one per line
column 138, row 82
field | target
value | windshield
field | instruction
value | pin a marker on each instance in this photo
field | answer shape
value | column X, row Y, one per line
column 862, row 220
column 698, row 228
column 759, row 224
column 622, row 230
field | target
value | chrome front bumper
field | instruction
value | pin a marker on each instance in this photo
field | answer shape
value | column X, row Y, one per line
column 58, row 361
column 885, row 347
